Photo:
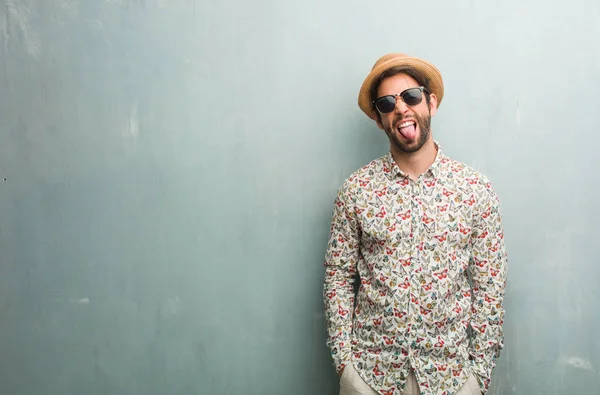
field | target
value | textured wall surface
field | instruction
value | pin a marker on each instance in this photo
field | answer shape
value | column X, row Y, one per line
column 168, row 169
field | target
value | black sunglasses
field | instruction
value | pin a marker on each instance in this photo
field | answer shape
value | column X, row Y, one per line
column 411, row 97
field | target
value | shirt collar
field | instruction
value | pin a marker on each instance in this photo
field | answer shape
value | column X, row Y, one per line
column 434, row 169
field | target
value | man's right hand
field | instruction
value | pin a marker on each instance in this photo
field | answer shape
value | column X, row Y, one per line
column 341, row 372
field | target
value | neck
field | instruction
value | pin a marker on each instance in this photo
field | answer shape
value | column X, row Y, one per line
column 416, row 163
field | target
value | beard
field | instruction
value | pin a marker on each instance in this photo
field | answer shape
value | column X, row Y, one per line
column 424, row 125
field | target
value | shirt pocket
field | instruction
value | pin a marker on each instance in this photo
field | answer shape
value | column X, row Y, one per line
column 381, row 232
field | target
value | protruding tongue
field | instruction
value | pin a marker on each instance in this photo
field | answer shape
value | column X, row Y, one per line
column 409, row 132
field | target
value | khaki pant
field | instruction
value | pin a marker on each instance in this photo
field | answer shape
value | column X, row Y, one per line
column 352, row 384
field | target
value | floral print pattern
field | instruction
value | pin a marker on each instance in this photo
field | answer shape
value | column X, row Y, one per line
column 431, row 261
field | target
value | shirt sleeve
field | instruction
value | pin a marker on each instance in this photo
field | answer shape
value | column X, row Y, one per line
column 342, row 255
column 488, row 268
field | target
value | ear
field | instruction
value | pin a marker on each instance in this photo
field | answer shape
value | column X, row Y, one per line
column 433, row 104
column 377, row 120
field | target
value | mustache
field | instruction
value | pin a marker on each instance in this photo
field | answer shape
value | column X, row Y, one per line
column 400, row 118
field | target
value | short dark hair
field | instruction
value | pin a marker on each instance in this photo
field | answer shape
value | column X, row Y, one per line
column 395, row 71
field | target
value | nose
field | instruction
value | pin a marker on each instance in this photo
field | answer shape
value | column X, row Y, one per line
column 401, row 107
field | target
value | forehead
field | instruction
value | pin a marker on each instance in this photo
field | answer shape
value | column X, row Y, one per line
column 396, row 84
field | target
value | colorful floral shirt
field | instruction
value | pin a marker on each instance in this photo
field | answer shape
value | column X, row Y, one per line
column 431, row 261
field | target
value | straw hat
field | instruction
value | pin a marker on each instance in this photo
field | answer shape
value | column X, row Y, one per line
column 422, row 67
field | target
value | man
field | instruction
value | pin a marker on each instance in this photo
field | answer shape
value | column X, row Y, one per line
column 423, row 234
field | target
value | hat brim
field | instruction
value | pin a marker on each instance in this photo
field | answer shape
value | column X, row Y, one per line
column 423, row 68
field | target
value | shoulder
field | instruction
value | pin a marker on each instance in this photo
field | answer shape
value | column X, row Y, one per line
column 371, row 172
column 469, row 179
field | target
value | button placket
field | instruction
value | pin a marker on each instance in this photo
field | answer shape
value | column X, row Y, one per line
column 415, row 214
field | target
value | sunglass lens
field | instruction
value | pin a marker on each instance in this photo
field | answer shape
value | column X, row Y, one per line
column 386, row 104
column 412, row 97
